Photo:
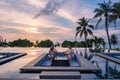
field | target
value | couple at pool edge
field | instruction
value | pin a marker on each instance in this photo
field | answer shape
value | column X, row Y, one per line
column 53, row 52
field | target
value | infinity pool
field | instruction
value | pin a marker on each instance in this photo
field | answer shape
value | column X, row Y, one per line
column 11, row 69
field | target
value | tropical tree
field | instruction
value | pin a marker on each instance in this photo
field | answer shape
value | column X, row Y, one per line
column 21, row 43
column 104, row 9
column 84, row 29
column 114, row 40
column 45, row 43
column 99, row 41
column 66, row 43
column 99, row 45
column 115, row 12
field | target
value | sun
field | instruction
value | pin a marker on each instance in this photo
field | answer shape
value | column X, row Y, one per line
column 33, row 30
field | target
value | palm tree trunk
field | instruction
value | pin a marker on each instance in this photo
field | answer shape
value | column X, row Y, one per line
column 86, row 47
column 106, row 26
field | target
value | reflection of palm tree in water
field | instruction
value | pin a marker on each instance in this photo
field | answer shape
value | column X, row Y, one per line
column 1, row 41
column 112, row 72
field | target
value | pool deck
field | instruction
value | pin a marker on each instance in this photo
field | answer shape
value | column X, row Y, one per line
column 17, row 55
column 60, row 75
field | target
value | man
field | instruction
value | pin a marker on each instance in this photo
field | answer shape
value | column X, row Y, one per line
column 69, row 52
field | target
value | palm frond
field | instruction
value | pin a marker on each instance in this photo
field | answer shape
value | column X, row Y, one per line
column 112, row 18
column 89, row 31
column 98, row 22
column 78, row 28
column 98, row 10
column 87, row 21
column 91, row 26
column 98, row 14
column 79, row 23
column 77, row 33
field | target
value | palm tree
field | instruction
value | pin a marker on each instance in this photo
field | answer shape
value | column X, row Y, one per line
column 115, row 12
column 84, row 29
column 104, row 10
column 99, row 41
column 99, row 45
column 114, row 40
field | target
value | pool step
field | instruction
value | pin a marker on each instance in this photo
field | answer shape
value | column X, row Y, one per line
column 60, row 75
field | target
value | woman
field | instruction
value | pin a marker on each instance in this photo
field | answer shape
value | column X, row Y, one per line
column 52, row 53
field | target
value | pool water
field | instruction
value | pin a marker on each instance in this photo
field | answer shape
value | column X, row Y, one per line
column 118, row 57
column 58, row 61
column 109, row 70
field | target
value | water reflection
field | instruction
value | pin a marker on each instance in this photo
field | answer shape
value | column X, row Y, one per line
column 33, row 52
column 109, row 70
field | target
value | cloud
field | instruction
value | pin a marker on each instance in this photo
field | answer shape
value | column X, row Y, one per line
column 10, row 23
column 10, row 30
column 51, row 7
column 18, row 5
column 38, row 3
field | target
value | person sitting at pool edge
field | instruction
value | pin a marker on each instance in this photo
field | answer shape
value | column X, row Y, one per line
column 69, row 52
column 52, row 53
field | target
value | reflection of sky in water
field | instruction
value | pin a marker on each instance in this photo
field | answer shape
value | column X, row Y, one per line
column 11, row 69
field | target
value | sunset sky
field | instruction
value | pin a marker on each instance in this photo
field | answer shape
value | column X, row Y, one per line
column 47, row 19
